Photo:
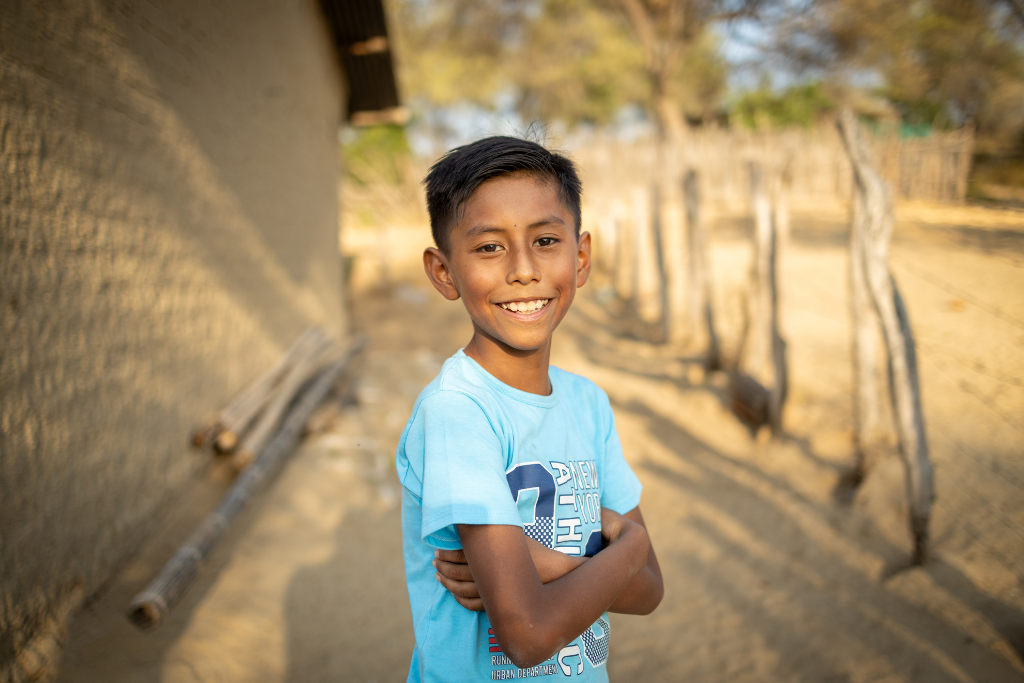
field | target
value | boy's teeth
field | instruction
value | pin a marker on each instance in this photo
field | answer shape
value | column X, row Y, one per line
column 525, row 306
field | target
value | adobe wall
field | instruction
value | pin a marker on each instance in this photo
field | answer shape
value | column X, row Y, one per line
column 168, row 225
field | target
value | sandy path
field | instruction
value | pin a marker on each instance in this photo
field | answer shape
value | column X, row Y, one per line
column 767, row 579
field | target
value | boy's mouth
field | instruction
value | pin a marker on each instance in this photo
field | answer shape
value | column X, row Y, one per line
column 525, row 306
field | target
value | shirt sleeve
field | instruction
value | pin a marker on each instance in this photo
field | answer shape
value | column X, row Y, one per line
column 463, row 470
column 620, row 488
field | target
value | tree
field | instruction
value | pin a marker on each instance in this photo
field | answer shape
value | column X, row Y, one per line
column 575, row 61
column 938, row 62
column 673, row 33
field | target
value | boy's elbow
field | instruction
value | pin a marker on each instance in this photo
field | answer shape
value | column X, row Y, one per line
column 643, row 602
column 654, row 599
column 655, row 592
column 526, row 643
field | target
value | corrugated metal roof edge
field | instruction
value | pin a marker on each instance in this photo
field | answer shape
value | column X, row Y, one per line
column 356, row 26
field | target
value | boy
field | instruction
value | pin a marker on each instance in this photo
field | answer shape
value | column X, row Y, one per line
column 520, row 518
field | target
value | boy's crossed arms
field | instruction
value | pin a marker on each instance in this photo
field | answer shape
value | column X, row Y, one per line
column 538, row 600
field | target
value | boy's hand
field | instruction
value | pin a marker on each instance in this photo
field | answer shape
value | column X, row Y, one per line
column 454, row 574
column 613, row 524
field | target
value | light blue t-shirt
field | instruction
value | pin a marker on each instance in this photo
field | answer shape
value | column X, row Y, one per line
column 477, row 451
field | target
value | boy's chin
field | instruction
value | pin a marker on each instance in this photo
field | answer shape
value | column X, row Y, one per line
column 521, row 343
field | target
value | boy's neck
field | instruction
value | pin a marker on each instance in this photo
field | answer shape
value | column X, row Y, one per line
column 523, row 370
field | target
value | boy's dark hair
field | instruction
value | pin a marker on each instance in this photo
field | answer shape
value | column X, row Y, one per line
column 453, row 179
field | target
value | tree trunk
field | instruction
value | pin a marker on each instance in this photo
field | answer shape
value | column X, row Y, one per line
column 672, row 124
column 702, row 321
column 904, row 385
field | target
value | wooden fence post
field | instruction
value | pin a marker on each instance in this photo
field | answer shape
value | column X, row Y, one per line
column 623, row 251
column 647, row 267
column 776, row 245
column 866, row 413
column 658, row 244
column 759, row 351
column 701, row 306
column 768, row 348
column 875, row 230
column 678, row 270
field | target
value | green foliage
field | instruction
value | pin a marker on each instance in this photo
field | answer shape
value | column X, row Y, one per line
column 762, row 109
column 376, row 154
column 573, row 61
column 453, row 51
column 577, row 63
column 699, row 81
column 942, row 62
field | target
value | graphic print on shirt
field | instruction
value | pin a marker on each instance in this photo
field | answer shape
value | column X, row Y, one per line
column 499, row 659
column 560, row 507
column 578, row 488
column 533, row 488
column 595, row 646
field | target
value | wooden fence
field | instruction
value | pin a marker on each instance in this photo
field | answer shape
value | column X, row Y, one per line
column 930, row 168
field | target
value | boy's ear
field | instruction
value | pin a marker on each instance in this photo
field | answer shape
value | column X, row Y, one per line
column 435, row 264
column 583, row 260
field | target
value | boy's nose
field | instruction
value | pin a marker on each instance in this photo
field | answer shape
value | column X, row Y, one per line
column 523, row 268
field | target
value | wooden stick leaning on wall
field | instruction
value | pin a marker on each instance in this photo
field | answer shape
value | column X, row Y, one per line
column 875, row 229
column 237, row 421
column 234, row 417
column 282, row 396
column 150, row 607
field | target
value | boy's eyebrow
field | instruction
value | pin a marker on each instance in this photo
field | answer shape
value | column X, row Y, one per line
column 484, row 229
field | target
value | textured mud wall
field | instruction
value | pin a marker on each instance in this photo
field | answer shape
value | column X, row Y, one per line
column 168, row 224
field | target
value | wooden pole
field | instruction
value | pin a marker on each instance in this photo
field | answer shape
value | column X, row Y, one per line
column 225, row 428
column 646, row 292
column 767, row 358
column 283, row 394
column 151, row 606
column 624, row 252
column 775, row 243
column 864, row 323
column 904, row 389
column 780, row 189
column 658, row 238
column 760, row 300
column 699, row 268
column 680, row 329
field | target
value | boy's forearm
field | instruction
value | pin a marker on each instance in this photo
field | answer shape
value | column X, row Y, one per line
column 533, row 620
column 641, row 595
column 573, row 602
column 551, row 565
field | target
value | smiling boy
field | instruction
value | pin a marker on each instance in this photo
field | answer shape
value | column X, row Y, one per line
column 520, row 517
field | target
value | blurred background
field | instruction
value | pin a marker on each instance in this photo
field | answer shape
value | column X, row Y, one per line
column 807, row 308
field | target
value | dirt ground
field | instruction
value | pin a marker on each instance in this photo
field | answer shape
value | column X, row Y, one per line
column 767, row 578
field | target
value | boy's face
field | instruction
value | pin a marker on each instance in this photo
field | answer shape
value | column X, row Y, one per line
column 514, row 260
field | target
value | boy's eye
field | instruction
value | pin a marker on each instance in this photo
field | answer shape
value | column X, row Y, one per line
column 546, row 241
column 489, row 248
